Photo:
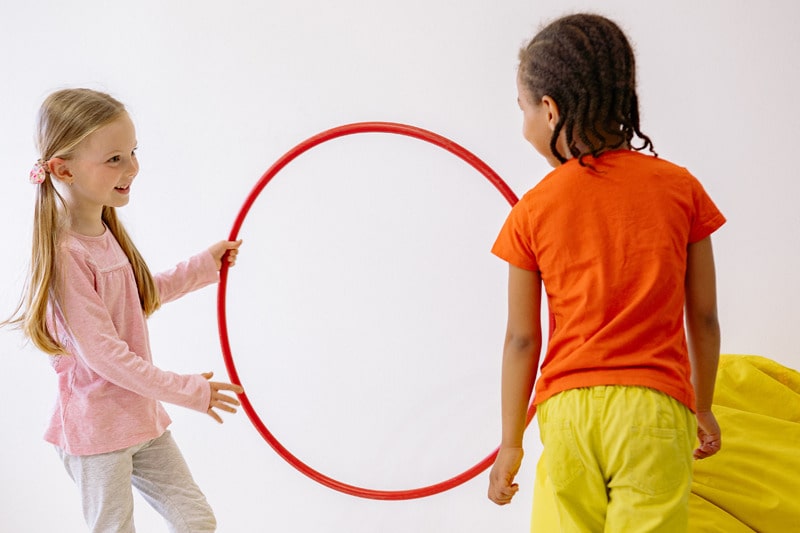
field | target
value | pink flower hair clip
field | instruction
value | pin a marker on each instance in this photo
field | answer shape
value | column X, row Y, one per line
column 38, row 172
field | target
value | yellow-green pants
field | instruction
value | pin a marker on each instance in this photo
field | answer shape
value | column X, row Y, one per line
column 618, row 459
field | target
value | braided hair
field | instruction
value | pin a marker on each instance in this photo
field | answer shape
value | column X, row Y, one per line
column 586, row 65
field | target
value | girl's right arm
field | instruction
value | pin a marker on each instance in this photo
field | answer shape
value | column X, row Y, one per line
column 521, row 351
column 702, row 328
column 196, row 272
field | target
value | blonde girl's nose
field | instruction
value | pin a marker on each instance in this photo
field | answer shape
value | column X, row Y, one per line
column 134, row 167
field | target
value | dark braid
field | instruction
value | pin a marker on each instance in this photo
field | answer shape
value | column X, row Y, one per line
column 586, row 65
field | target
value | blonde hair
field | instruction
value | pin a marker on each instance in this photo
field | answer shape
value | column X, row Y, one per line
column 66, row 118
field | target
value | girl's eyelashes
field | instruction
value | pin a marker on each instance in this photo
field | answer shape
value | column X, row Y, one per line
column 117, row 158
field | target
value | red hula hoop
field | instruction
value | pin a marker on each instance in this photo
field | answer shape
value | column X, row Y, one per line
column 333, row 133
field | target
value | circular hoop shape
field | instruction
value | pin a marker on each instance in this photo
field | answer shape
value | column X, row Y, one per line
column 348, row 129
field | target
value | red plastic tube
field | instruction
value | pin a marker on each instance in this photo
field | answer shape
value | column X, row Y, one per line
column 340, row 131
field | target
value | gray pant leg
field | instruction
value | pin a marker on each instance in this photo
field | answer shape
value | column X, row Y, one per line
column 104, row 482
column 161, row 475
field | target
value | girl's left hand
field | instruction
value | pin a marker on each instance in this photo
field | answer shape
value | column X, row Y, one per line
column 219, row 400
column 225, row 250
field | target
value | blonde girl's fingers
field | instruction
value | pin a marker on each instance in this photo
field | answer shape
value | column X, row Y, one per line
column 232, row 255
column 216, row 395
column 219, row 385
column 223, row 406
column 231, row 246
column 226, row 399
column 214, row 415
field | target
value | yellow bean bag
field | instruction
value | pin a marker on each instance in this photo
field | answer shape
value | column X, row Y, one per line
column 753, row 483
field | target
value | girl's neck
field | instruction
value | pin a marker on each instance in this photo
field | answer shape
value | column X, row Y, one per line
column 584, row 149
column 84, row 223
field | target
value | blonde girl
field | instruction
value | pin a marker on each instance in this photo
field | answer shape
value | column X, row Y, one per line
column 86, row 302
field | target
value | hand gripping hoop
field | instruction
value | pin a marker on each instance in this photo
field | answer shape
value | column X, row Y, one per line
column 333, row 133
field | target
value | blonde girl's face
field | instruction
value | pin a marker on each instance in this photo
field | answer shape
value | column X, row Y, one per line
column 103, row 168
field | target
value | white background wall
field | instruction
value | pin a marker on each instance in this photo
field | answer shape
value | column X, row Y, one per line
column 366, row 313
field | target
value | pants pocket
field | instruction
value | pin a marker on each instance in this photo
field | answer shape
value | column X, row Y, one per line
column 560, row 455
column 660, row 460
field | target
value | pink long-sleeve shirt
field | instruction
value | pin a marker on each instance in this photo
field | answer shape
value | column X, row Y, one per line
column 109, row 391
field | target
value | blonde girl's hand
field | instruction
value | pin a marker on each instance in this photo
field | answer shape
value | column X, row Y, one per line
column 501, row 478
column 225, row 250
column 219, row 400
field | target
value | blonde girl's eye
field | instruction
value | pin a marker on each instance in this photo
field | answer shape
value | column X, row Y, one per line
column 115, row 159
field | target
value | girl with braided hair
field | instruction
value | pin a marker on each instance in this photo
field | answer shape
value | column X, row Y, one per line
column 620, row 240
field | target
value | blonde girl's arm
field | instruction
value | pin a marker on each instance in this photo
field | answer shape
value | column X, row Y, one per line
column 521, row 351
column 703, row 334
column 196, row 272
column 93, row 336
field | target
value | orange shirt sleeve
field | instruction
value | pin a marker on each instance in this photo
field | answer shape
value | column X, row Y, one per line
column 707, row 217
column 513, row 244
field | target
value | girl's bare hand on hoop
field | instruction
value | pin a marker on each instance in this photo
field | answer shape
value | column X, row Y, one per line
column 219, row 400
column 225, row 251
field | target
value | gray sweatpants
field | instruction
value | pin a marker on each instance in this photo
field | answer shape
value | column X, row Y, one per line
column 158, row 471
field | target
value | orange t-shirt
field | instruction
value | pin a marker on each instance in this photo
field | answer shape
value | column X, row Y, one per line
column 610, row 243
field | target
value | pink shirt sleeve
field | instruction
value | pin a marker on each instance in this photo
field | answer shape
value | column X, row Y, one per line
column 195, row 273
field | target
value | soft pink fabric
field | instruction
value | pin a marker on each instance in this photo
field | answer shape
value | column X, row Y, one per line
column 109, row 391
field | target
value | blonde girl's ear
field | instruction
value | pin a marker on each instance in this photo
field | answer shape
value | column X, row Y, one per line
column 59, row 169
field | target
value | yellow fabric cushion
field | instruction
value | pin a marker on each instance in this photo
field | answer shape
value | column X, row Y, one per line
column 753, row 483
column 754, row 480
